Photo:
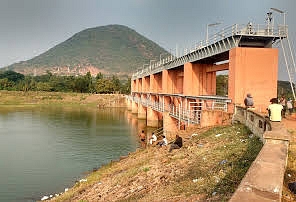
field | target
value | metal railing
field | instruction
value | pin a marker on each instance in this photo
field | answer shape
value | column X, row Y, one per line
column 158, row 132
column 190, row 114
column 217, row 43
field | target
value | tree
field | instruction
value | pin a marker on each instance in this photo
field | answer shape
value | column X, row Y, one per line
column 12, row 76
column 5, row 84
column 27, row 84
column 99, row 76
column 116, row 85
column 222, row 85
column 126, row 87
column 81, row 84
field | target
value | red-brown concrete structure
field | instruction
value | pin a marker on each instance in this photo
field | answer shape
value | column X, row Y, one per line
column 184, row 88
column 255, row 71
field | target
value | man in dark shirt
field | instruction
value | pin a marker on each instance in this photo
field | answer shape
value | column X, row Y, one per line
column 177, row 144
column 249, row 103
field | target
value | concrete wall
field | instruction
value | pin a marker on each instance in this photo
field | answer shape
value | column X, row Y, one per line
column 264, row 179
column 214, row 118
column 255, row 71
column 255, row 121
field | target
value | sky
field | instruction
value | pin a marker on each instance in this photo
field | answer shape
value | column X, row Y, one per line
column 31, row 27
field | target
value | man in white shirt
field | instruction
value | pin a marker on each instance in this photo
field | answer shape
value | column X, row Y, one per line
column 153, row 138
column 163, row 142
column 275, row 110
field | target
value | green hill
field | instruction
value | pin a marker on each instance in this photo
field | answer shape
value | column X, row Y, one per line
column 107, row 49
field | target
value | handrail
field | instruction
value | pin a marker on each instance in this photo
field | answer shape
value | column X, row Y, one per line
column 158, row 131
column 191, row 114
column 232, row 32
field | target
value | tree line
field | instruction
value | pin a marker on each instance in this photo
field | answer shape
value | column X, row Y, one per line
column 10, row 80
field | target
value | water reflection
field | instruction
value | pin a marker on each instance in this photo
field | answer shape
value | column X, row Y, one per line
column 45, row 149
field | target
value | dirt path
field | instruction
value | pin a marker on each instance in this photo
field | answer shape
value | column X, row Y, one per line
column 290, row 124
column 290, row 175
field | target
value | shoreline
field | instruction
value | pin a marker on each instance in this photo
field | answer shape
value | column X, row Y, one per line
column 18, row 98
column 12, row 100
column 154, row 174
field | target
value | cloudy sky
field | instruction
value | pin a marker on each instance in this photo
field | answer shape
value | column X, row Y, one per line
column 30, row 27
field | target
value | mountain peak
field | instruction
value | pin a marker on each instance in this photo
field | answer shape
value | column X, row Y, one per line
column 110, row 49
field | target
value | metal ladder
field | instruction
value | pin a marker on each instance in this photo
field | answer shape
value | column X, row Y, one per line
column 289, row 62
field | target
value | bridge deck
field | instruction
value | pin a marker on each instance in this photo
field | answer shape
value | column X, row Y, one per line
column 217, row 48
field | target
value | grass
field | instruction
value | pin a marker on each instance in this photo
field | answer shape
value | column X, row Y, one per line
column 290, row 174
column 29, row 98
column 222, row 163
column 208, row 167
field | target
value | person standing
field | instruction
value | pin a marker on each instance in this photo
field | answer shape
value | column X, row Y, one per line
column 283, row 102
column 275, row 110
column 290, row 106
column 142, row 136
column 248, row 101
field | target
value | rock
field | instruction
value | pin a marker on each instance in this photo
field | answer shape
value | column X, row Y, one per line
column 83, row 180
column 223, row 162
column 218, row 135
column 66, row 189
column 198, row 179
column 140, row 187
column 44, row 198
column 123, row 157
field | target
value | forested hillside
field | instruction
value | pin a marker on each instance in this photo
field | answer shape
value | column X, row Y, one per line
column 111, row 49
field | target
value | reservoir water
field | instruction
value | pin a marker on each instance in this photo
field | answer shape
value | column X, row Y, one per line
column 43, row 150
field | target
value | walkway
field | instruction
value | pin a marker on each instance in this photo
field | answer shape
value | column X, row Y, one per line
column 290, row 124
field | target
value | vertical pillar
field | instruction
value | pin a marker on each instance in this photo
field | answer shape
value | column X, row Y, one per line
column 152, row 116
column 142, row 112
column 158, row 83
column 152, row 88
column 137, row 89
column 189, row 79
column 134, row 107
column 144, row 85
column 129, row 104
column 169, row 123
column 178, row 81
column 140, row 87
column 133, row 85
column 255, row 71
column 165, row 78
column 211, row 83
